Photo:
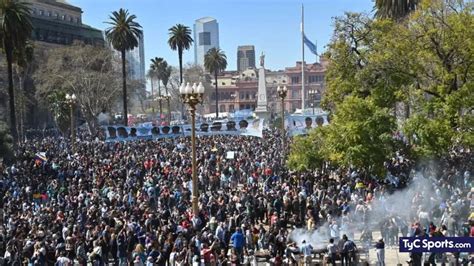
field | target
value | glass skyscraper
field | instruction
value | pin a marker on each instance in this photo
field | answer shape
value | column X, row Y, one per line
column 206, row 36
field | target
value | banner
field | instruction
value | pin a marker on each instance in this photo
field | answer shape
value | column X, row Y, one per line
column 301, row 124
column 243, row 127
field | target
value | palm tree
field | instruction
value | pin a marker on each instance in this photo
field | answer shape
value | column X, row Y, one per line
column 180, row 39
column 215, row 61
column 14, row 33
column 123, row 35
column 151, row 75
column 394, row 9
column 157, row 65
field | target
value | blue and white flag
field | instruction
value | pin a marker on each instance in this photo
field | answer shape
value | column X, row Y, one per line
column 311, row 46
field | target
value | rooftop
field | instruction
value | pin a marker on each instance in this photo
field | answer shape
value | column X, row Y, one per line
column 205, row 20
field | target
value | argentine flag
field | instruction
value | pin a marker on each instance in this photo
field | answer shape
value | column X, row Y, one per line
column 312, row 47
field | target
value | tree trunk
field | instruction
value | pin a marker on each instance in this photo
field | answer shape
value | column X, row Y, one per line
column 152, row 99
column 11, row 92
column 217, row 96
column 159, row 97
column 168, row 104
column 124, row 92
column 180, row 57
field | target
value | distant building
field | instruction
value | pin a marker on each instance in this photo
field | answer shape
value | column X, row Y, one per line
column 206, row 36
column 245, row 57
column 136, row 61
column 238, row 89
column 59, row 23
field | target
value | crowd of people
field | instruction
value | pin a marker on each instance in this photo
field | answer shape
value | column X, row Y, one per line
column 130, row 203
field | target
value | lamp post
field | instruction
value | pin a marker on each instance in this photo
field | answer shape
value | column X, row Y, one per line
column 282, row 91
column 167, row 97
column 71, row 100
column 192, row 96
column 313, row 93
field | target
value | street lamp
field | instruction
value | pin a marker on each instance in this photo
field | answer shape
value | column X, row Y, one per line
column 193, row 96
column 282, row 91
column 71, row 100
column 313, row 93
column 167, row 97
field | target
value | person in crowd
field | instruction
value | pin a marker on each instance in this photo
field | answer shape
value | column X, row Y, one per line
column 380, row 248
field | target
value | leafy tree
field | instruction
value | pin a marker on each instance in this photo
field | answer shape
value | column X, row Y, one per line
column 84, row 70
column 14, row 32
column 123, row 34
column 425, row 61
column 180, row 39
column 215, row 61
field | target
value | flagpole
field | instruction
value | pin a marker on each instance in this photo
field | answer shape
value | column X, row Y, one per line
column 302, row 61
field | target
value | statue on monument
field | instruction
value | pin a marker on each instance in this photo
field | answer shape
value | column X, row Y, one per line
column 262, row 60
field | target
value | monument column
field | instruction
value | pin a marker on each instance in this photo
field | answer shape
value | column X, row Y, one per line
column 262, row 109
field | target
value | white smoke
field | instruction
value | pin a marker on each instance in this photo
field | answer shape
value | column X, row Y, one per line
column 400, row 204
column 103, row 119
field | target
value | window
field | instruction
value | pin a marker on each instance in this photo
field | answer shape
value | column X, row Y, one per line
column 223, row 84
column 56, row 15
column 78, row 21
column 222, row 108
column 71, row 19
column 242, row 96
column 283, row 81
column 204, row 38
column 316, row 79
column 295, row 94
column 34, row 11
column 63, row 17
column 41, row 12
column 48, row 13
column 295, row 80
column 231, row 108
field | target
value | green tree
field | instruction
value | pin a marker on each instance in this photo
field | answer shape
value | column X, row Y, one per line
column 425, row 61
column 215, row 61
column 180, row 40
column 15, row 31
column 123, row 34
column 395, row 9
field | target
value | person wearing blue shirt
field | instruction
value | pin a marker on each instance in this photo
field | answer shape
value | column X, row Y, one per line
column 307, row 250
column 238, row 241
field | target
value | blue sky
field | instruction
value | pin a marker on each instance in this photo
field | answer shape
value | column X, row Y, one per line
column 273, row 26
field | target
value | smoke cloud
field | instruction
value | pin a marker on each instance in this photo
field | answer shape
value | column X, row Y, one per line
column 421, row 195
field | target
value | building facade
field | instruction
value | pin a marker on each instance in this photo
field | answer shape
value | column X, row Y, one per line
column 245, row 57
column 238, row 90
column 206, row 36
column 59, row 23
column 136, row 61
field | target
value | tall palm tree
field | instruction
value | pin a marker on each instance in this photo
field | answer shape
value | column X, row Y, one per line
column 14, row 33
column 151, row 75
column 157, row 66
column 123, row 34
column 215, row 61
column 394, row 9
column 180, row 39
